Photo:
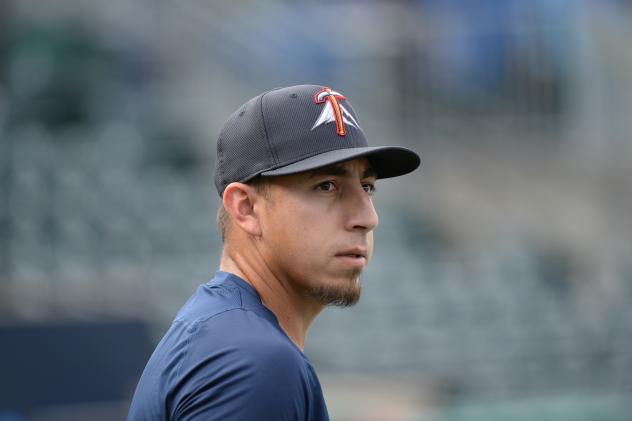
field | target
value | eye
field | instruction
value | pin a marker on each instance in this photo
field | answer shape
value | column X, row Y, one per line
column 327, row 186
column 369, row 188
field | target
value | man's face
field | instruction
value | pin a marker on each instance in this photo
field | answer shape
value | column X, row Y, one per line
column 317, row 230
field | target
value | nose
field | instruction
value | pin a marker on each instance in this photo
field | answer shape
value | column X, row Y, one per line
column 361, row 213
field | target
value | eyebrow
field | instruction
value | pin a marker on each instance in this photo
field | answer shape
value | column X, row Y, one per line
column 340, row 171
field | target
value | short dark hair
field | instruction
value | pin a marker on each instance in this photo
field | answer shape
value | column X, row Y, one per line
column 261, row 184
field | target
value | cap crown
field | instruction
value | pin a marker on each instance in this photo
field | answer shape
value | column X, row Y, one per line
column 281, row 127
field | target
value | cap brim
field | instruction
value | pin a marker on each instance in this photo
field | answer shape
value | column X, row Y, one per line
column 387, row 161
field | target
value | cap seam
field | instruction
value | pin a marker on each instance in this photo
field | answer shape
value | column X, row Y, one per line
column 220, row 160
column 265, row 130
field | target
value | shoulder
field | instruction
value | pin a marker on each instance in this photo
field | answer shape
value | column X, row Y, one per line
column 226, row 357
column 239, row 363
column 207, row 301
column 245, row 337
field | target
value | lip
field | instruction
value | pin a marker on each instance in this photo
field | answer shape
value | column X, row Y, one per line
column 356, row 256
column 353, row 251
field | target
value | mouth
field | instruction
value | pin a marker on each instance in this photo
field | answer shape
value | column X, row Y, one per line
column 356, row 256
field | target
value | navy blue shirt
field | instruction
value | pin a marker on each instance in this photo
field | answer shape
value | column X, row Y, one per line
column 225, row 357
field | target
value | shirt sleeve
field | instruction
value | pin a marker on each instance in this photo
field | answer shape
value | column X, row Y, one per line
column 249, row 374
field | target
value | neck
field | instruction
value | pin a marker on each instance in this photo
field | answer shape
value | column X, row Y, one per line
column 294, row 310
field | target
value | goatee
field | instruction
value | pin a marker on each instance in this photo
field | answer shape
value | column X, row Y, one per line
column 338, row 295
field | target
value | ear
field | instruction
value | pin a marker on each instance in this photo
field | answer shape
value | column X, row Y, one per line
column 239, row 201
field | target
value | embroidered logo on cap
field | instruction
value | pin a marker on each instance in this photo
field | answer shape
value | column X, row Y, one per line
column 333, row 111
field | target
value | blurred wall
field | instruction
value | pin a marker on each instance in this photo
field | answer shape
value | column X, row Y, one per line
column 502, row 279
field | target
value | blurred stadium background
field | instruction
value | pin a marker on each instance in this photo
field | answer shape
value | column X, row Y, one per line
column 501, row 288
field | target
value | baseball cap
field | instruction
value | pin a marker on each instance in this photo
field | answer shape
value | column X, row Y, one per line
column 295, row 129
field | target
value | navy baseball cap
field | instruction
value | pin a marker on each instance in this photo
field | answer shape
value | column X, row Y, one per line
column 295, row 129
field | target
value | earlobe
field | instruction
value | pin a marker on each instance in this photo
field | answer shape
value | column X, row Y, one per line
column 239, row 200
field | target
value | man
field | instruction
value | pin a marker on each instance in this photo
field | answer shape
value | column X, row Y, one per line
column 296, row 178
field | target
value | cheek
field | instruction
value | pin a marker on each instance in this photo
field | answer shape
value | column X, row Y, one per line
column 299, row 242
column 369, row 240
column 295, row 234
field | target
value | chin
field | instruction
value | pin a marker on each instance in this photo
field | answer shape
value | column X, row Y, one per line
column 343, row 293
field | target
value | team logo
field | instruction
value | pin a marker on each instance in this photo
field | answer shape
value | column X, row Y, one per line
column 334, row 111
